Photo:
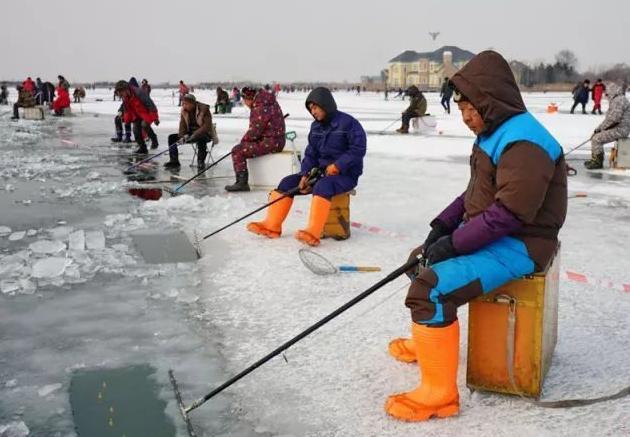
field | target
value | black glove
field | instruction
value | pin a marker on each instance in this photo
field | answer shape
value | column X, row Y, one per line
column 414, row 255
column 157, row 122
column 440, row 251
column 598, row 130
column 438, row 230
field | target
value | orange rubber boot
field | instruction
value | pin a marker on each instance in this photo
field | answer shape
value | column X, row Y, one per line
column 403, row 349
column 320, row 208
column 271, row 227
column 437, row 395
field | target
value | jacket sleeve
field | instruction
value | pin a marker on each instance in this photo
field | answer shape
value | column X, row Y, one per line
column 258, row 122
column 311, row 157
column 357, row 143
column 206, row 126
column 452, row 215
column 613, row 115
column 524, row 172
column 183, row 130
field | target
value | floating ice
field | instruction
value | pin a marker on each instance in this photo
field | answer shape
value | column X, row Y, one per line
column 95, row 240
column 76, row 240
column 187, row 297
column 49, row 267
column 93, row 175
column 14, row 429
column 8, row 286
column 9, row 187
column 4, row 231
column 47, row 246
column 11, row 383
column 16, row 236
column 60, row 232
column 31, row 232
column 48, row 389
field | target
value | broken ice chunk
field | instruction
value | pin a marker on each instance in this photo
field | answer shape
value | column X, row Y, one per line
column 49, row 267
column 16, row 236
column 77, row 240
column 48, row 389
column 47, row 246
column 4, row 231
column 14, row 429
column 95, row 240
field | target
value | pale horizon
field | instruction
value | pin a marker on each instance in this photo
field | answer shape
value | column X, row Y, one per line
column 287, row 41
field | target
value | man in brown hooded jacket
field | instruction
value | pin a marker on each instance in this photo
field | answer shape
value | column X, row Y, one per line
column 505, row 225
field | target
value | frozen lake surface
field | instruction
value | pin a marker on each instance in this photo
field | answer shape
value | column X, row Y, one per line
column 77, row 294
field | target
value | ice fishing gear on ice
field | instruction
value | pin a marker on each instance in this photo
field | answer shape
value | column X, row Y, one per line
column 185, row 410
column 176, row 191
column 313, row 176
column 319, row 265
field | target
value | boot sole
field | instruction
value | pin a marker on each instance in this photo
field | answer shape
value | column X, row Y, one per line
column 417, row 412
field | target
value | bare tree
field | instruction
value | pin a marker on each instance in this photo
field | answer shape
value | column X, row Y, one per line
column 567, row 60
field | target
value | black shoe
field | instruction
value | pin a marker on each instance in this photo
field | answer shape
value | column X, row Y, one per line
column 116, row 139
column 154, row 146
column 595, row 163
column 127, row 139
column 141, row 150
column 241, row 183
column 172, row 164
column 15, row 118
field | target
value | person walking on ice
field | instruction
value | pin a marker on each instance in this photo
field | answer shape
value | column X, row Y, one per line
column 337, row 145
column 616, row 125
column 505, row 225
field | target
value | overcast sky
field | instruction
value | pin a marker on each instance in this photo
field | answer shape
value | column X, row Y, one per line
column 285, row 40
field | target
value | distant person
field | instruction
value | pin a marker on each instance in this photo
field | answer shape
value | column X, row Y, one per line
column 580, row 95
column 195, row 126
column 39, row 85
column 417, row 108
column 29, row 85
column 26, row 99
column 446, row 92
column 276, row 89
column 336, row 145
column 4, row 95
column 615, row 126
column 223, row 101
column 63, row 96
column 183, row 90
column 78, row 94
column 597, row 93
column 266, row 134
column 146, row 87
column 236, row 96
column 141, row 112
column 47, row 93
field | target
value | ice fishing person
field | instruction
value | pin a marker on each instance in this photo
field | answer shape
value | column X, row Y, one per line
column 63, row 96
column 25, row 100
column 616, row 125
column 140, row 111
column 417, row 108
column 505, row 225
column 195, row 126
column 266, row 134
column 337, row 145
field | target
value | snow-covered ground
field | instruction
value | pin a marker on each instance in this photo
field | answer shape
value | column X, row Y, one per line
column 76, row 293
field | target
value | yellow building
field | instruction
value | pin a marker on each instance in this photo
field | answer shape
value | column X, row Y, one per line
column 426, row 70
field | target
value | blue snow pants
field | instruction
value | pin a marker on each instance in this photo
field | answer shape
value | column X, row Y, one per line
column 327, row 187
column 438, row 291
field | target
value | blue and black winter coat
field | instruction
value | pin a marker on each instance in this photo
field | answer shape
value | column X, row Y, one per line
column 339, row 139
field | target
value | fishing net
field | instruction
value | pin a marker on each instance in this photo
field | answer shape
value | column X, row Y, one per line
column 316, row 263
